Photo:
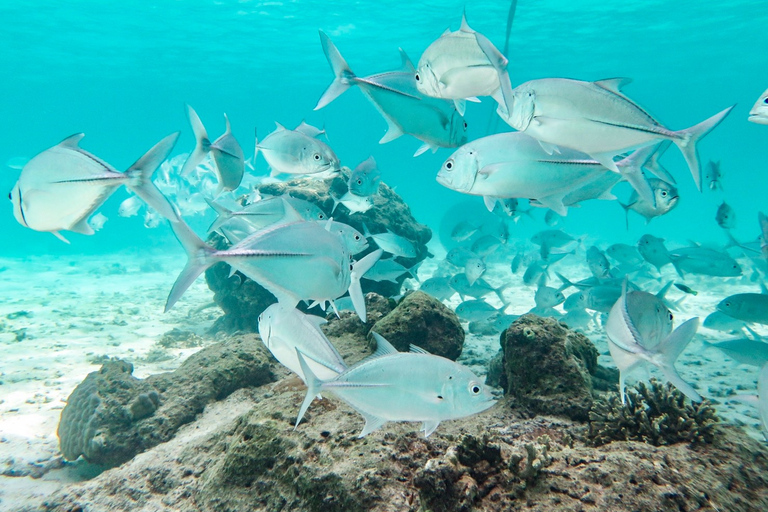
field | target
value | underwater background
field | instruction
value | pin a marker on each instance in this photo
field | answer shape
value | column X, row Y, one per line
column 122, row 73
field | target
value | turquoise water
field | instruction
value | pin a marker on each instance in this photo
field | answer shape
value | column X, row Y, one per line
column 122, row 72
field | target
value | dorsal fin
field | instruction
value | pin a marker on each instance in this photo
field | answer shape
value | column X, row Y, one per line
column 228, row 131
column 72, row 141
column 383, row 347
column 406, row 64
column 614, row 84
column 417, row 350
column 464, row 25
column 309, row 130
column 279, row 127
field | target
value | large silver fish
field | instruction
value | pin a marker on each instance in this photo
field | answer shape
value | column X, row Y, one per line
column 704, row 261
column 286, row 330
column 759, row 112
column 293, row 259
column 298, row 151
column 639, row 330
column 433, row 121
column 226, row 151
column 514, row 164
column 403, row 386
column 454, row 67
column 747, row 307
column 392, row 243
column 60, row 188
column 596, row 118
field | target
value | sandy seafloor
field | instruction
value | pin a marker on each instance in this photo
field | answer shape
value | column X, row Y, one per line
column 60, row 315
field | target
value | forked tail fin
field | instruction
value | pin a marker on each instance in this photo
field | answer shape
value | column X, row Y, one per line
column 691, row 137
column 343, row 76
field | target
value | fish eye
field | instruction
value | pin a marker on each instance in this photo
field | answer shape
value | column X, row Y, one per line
column 465, row 125
column 765, row 101
column 448, row 165
column 317, row 156
column 357, row 237
column 474, row 388
column 671, row 317
column 727, row 304
column 417, row 77
column 10, row 196
column 663, row 193
column 359, row 182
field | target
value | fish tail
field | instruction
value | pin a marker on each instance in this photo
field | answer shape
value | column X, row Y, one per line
column 670, row 349
column 140, row 174
column 498, row 291
column 631, row 169
column 626, row 214
column 343, row 76
column 313, row 387
column 414, row 270
column 199, row 256
column 355, row 290
column 690, row 138
column 566, row 282
column 224, row 214
column 202, row 143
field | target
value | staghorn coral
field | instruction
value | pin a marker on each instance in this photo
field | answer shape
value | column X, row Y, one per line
column 655, row 414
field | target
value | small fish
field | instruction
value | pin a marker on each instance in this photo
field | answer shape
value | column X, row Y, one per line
column 548, row 297
column 438, row 287
column 473, row 269
column 601, row 298
column 479, row 289
column 60, row 188
column 624, row 253
column 485, row 245
column 97, row 221
column 226, row 152
column 552, row 219
column 286, row 332
column 653, row 250
column 389, row 270
column 577, row 319
column 759, row 114
column 403, row 386
column 687, row 289
column 704, row 261
column 534, row 273
column 747, row 307
column 463, row 231
column 352, row 238
column 752, row 352
column 502, row 322
column 353, row 202
column 714, row 175
column 598, row 263
column 298, row 151
column 719, row 321
column 365, row 178
column 392, row 243
column 552, row 238
column 639, row 330
column 725, row 216
column 458, row 256
column 130, row 207
column 477, row 310
column 666, row 199
column 152, row 219
column 514, row 266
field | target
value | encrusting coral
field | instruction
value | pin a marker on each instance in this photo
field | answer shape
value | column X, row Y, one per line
column 656, row 414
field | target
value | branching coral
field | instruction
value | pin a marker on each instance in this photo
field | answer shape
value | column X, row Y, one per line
column 656, row 414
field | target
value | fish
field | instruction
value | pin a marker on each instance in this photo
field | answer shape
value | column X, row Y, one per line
column 548, row 297
column 666, row 197
column 552, row 219
column 624, row 253
column 353, row 240
column 653, row 250
column 514, row 164
column 473, row 269
column 552, row 238
column 390, row 270
column 752, row 352
column 365, row 178
column 577, row 319
column 502, row 322
column 438, row 287
column 747, row 307
column 596, row 118
column 477, row 310
column 687, row 289
column 601, row 298
column 704, row 261
column 61, row 187
column 226, row 152
column 97, row 221
column 725, row 216
column 759, row 115
column 713, row 175
column 479, row 289
column 463, row 231
column 719, row 321
column 535, row 272
column 152, row 219
column 271, row 256
column 516, row 262
column 265, row 211
column 403, row 386
column 598, row 263
column 458, row 256
column 130, row 207
column 639, row 330
column 298, row 151
column 392, row 243
column 286, row 332
column 395, row 95
column 353, row 202
column 454, row 67
column 485, row 245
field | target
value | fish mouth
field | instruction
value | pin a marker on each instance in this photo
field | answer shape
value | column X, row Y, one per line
column 757, row 119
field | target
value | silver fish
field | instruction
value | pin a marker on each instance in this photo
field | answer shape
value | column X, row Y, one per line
column 130, row 207
column 548, row 297
column 275, row 256
column 152, row 219
column 713, row 175
column 485, row 245
column 403, row 386
column 477, row 310
column 473, row 269
column 480, row 288
column 514, row 164
column 266, row 211
column 438, row 287
column 286, row 331
column 298, row 151
column 353, row 202
column 639, row 330
column 704, row 261
column 759, row 112
column 747, row 307
column 454, row 67
column 725, row 216
column 433, row 121
column 653, row 250
column 577, row 319
column 392, row 243
column 458, row 256
column 719, row 321
column 598, row 263
column 666, row 199
column 753, row 352
column 390, row 270
column 595, row 118
column 365, row 178
column 60, row 188
column 463, row 231
column 97, row 221
column 226, row 151
column 624, row 253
